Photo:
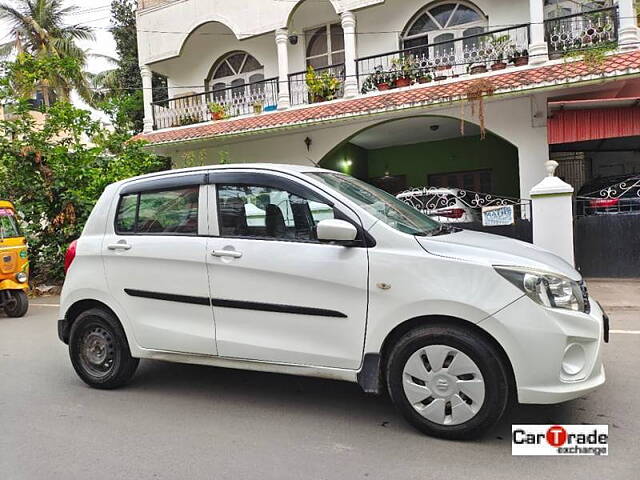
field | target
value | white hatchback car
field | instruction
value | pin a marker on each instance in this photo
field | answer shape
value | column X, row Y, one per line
column 311, row 272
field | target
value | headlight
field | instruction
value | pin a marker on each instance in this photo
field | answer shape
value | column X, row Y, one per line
column 548, row 289
column 21, row 277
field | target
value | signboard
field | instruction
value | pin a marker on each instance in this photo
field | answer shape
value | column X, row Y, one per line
column 498, row 215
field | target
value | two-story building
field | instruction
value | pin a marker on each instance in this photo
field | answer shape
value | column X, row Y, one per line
column 403, row 93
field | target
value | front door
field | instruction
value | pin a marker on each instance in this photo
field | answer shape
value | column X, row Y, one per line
column 154, row 258
column 278, row 294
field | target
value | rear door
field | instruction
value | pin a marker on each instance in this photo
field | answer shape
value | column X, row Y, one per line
column 278, row 294
column 154, row 255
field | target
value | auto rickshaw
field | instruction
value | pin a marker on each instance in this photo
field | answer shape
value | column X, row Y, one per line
column 14, row 264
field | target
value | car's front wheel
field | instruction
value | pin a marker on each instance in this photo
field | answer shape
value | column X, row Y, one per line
column 447, row 381
column 99, row 350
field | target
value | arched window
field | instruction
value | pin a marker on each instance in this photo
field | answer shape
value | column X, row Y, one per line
column 562, row 8
column 441, row 23
column 235, row 69
column 325, row 46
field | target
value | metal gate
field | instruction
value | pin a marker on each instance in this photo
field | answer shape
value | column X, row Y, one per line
column 607, row 230
column 510, row 217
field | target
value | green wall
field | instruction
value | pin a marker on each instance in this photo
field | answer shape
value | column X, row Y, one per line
column 419, row 160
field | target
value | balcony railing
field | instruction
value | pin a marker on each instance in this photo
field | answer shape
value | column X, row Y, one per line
column 233, row 101
column 577, row 32
column 437, row 61
column 299, row 87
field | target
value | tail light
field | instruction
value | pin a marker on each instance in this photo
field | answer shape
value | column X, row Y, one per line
column 451, row 213
column 70, row 255
column 603, row 202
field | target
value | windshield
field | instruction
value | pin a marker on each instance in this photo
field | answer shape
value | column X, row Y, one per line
column 380, row 204
column 8, row 224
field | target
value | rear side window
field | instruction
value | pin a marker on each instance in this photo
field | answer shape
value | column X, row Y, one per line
column 169, row 212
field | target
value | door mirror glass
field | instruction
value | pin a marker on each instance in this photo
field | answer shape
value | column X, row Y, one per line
column 336, row 231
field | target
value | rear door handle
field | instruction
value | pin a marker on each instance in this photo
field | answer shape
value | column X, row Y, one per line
column 226, row 253
column 119, row 246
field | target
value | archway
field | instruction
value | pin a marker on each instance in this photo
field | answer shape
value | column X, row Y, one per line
column 428, row 151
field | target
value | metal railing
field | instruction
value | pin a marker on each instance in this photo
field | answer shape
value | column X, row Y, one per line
column 235, row 101
column 581, row 31
column 472, row 54
column 299, row 89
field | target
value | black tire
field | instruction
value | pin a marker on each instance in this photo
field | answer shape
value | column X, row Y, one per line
column 18, row 305
column 99, row 350
column 479, row 350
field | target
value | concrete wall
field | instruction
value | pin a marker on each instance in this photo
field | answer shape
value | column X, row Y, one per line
column 510, row 119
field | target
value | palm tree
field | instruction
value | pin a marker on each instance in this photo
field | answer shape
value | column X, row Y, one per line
column 38, row 28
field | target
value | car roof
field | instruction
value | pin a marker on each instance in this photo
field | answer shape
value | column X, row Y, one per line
column 277, row 167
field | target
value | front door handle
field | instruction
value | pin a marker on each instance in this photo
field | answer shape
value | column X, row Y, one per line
column 226, row 253
column 119, row 246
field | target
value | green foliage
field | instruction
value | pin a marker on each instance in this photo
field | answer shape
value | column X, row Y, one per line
column 322, row 86
column 55, row 169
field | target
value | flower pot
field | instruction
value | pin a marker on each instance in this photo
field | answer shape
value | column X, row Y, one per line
column 498, row 66
column 257, row 109
column 403, row 82
column 317, row 99
column 477, row 69
column 383, row 86
column 520, row 61
column 424, row 79
column 437, row 78
column 217, row 116
column 443, row 67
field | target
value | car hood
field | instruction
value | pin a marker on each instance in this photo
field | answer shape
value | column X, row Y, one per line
column 496, row 250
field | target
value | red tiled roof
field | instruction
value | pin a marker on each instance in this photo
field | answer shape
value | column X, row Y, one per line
column 504, row 82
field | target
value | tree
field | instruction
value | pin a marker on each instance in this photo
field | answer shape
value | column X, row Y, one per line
column 38, row 28
column 54, row 171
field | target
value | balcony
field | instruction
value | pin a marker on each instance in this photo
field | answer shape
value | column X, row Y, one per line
column 596, row 28
column 499, row 49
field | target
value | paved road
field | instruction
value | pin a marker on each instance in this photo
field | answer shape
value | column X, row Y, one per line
column 191, row 422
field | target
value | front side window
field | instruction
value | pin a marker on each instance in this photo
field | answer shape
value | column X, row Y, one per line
column 383, row 206
column 170, row 212
column 266, row 212
column 8, row 224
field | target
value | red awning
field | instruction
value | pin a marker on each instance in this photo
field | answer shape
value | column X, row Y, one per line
column 567, row 126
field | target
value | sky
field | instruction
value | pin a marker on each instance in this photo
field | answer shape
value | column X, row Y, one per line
column 96, row 14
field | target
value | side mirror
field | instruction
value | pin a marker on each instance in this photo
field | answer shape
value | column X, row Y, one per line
column 336, row 231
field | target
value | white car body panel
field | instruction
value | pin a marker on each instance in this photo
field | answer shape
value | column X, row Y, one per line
column 401, row 278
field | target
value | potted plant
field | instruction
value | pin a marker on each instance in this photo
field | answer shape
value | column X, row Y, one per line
column 218, row 111
column 499, row 45
column 424, row 76
column 519, row 57
column 440, row 69
column 476, row 68
column 257, row 107
column 322, row 87
column 404, row 71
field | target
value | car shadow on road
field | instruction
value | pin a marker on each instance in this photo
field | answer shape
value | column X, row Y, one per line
column 310, row 396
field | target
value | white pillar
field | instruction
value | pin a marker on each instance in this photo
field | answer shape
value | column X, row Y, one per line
column 552, row 207
column 628, row 37
column 282, row 40
column 538, row 50
column 147, row 97
column 350, row 53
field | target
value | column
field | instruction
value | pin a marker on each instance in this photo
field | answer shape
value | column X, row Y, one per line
column 628, row 37
column 147, row 97
column 538, row 50
column 282, row 40
column 552, row 206
column 350, row 53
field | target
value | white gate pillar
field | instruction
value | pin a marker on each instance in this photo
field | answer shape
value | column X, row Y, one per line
column 147, row 97
column 538, row 49
column 282, row 40
column 350, row 54
column 552, row 207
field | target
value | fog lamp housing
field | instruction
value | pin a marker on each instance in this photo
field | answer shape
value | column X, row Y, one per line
column 574, row 359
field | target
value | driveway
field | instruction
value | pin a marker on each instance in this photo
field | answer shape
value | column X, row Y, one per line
column 191, row 422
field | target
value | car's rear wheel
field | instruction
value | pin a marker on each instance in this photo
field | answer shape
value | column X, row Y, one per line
column 99, row 350
column 17, row 304
column 447, row 381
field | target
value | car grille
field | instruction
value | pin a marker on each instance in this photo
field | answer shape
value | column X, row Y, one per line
column 585, row 296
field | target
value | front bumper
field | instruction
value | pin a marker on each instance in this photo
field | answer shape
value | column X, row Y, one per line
column 555, row 354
